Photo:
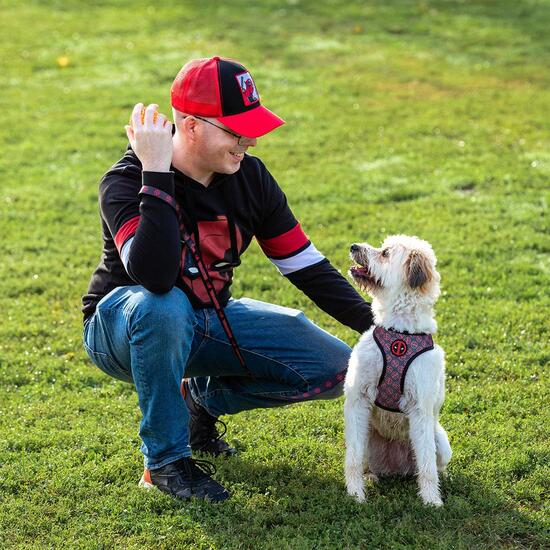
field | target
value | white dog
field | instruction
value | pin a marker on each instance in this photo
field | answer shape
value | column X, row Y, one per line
column 395, row 384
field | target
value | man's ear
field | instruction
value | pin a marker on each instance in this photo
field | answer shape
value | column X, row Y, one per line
column 418, row 269
column 189, row 124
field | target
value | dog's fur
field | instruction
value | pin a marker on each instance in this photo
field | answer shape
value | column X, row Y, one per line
column 402, row 279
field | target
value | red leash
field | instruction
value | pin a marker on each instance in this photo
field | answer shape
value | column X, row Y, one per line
column 209, row 286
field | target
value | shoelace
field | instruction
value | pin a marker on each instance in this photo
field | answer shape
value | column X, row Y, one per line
column 219, row 435
column 214, row 434
column 196, row 466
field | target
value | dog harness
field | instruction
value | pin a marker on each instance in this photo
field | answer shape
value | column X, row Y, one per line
column 399, row 350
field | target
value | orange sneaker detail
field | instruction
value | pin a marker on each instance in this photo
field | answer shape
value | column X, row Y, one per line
column 147, row 476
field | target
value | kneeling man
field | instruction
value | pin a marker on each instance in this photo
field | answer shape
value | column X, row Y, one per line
column 177, row 211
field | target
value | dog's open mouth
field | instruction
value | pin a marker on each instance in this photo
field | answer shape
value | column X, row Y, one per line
column 363, row 277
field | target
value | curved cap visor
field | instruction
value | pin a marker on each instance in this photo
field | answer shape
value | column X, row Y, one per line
column 254, row 123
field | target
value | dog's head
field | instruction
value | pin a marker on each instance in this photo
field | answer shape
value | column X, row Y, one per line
column 402, row 265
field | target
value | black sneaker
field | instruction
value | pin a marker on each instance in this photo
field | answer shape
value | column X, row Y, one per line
column 186, row 478
column 204, row 437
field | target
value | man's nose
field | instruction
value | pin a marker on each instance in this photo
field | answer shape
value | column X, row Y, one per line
column 354, row 248
column 251, row 142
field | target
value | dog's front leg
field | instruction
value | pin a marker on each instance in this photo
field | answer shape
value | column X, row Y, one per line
column 422, row 434
column 356, row 416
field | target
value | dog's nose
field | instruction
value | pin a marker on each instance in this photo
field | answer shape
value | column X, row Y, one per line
column 354, row 248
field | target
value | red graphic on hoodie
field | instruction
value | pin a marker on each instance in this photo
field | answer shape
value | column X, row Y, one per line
column 215, row 249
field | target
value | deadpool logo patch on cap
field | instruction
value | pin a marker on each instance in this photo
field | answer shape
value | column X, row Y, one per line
column 248, row 88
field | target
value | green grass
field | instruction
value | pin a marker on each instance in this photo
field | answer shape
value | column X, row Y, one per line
column 418, row 117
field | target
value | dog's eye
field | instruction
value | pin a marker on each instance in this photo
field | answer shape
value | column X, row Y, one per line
column 385, row 252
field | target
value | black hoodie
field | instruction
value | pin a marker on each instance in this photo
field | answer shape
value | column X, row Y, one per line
column 142, row 240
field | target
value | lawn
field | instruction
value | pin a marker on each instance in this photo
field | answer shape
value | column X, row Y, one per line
column 418, row 117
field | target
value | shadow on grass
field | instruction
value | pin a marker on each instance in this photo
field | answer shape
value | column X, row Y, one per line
column 281, row 504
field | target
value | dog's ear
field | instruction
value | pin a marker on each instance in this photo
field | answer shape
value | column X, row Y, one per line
column 418, row 269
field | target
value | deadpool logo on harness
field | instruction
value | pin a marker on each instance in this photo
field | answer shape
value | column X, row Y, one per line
column 399, row 348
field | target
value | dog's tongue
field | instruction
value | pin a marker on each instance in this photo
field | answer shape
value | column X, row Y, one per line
column 360, row 270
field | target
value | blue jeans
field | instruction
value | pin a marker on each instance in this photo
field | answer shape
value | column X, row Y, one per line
column 154, row 340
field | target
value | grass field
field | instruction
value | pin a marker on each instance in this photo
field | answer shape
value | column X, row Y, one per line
column 419, row 117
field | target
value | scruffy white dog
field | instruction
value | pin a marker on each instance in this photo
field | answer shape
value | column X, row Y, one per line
column 395, row 384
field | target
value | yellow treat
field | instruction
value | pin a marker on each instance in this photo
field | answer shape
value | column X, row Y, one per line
column 143, row 115
column 155, row 116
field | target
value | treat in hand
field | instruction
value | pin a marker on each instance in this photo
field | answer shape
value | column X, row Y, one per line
column 155, row 117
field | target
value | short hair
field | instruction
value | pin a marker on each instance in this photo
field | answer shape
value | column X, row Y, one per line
column 178, row 115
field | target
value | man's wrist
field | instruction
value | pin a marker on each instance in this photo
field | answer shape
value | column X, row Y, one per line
column 160, row 180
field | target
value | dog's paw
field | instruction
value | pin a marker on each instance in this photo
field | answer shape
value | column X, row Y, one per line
column 430, row 496
column 359, row 496
column 371, row 478
column 437, row 502
column 356, row 489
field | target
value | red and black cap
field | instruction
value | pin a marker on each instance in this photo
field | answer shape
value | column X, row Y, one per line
column 223, row 89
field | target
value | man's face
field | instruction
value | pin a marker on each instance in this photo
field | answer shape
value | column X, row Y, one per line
column 219, row 151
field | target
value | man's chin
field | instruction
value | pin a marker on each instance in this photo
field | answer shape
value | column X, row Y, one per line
column 231, row 168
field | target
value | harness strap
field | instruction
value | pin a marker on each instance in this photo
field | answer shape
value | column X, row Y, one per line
column 209, row 286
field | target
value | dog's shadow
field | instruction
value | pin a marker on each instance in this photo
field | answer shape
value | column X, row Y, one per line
column 314, row 506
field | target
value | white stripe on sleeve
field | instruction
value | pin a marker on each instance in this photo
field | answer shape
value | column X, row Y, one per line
column 125, row 252
column 307, row 257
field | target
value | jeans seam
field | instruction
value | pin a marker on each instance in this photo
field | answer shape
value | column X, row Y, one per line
column 204, row 335
column 263, row 357
column 86, row 325
column 140, row 369
column 199, row 347
column 206, row 322
column 280, row 393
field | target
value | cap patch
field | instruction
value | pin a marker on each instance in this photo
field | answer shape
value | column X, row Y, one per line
column 248, row 88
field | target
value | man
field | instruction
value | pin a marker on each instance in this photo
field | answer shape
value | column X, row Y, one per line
column 177, row 212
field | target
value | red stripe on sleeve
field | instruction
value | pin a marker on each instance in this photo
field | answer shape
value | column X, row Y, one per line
column 126, row 231
column 284, row 244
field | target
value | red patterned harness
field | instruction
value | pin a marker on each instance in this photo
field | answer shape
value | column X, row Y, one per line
column 399, row 349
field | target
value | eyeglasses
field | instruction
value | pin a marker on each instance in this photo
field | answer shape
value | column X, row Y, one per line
column 241, row 140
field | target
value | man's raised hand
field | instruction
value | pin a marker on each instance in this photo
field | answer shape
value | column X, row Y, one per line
column 150, row 135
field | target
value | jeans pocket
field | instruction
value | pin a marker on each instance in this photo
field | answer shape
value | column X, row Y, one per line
column 108, row 365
